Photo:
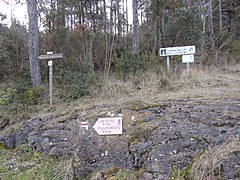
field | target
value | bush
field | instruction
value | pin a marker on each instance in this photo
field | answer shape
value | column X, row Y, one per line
column 6, row 95
column 34, row 95
column 129, row 64
column 74, row 84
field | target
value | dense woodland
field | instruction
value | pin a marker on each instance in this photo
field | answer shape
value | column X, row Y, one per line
column 101, row 38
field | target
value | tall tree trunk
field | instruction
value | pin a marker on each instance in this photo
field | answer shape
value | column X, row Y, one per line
column 33, row 41
column 136, row 27
column 212, row 35
column 162, row 28
column 158, row 27
column 115, row 17
column 105, row 16
column 220, row 15
column 127, row 15
column 123, row 18
column 111, row 18
column 61, row 13
column 119, row 22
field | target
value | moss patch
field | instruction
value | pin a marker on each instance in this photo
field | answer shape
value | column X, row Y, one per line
column 140, row 132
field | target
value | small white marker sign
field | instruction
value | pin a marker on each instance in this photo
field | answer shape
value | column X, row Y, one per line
column 84, row 124
column 50, row 63
column 188, row 58
column 108, row 126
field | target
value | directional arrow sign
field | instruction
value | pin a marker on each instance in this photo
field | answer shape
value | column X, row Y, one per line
column 109, row 126
column 51, row 56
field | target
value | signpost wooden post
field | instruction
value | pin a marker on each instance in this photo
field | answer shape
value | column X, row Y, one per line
column 50, row 57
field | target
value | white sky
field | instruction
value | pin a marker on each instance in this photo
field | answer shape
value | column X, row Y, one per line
column 19, row 11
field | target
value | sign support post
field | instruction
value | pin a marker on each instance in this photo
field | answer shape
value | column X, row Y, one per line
column 168, row 63
column 50, row 64
column 187, row 59
column 50, row 56
column 188, row 66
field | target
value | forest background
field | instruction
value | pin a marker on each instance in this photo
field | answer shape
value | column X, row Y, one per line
column 104, row 54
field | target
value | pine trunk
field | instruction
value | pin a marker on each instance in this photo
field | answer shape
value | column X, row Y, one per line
column 136, row 27
column 212, row 35
column 33, row 41
column 220, row 15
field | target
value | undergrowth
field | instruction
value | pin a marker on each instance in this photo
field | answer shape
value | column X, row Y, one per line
column 208, row 164
column 25, row 163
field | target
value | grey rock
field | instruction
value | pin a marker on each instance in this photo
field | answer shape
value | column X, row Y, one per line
column 4, row 123
column 182, row 129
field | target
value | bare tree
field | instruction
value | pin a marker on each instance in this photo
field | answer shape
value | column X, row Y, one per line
column 136, row 27
column 33, row 42
column 127, row 15
column 212, row 35
column 220, row 15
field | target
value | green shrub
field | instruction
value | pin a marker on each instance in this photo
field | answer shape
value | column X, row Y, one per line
column 185, row 174
column 235, row 49
column 29, row 164
column 7, row 95
column 130, row 63
column 35, row 94
column 74, row 84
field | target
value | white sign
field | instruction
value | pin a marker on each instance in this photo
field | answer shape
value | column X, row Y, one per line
column 50, row 63
column 50, row 56
column 188, row 58
column 108, row 126
column 173, row 51
column 51, row 52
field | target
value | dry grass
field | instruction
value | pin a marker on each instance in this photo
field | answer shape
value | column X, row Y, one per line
column 152, row 83
column 64, row 170
column 158, row 85
column 208, row 165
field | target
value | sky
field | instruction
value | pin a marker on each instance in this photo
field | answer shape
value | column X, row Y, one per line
column 19, row 11
column 14, row 10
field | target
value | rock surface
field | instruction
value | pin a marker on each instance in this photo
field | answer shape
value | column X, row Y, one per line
column 156, row 137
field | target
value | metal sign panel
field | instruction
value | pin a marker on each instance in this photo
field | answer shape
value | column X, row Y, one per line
column 108, row 126
column 50, row 56
column 189, row 58
column 50, row 63
column 173, row 51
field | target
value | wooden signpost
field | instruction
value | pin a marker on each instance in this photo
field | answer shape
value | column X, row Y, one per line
column 50, row 57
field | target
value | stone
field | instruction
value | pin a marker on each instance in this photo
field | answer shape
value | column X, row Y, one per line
column 180, row 132
column 4, row 123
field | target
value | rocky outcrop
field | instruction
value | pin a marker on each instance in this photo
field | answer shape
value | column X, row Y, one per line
column 156, row 138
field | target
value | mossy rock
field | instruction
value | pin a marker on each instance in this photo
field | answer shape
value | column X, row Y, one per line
column 112, row 170
column 140, row 133
column 138, row 105
column 140, row 172
column 3, row 146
